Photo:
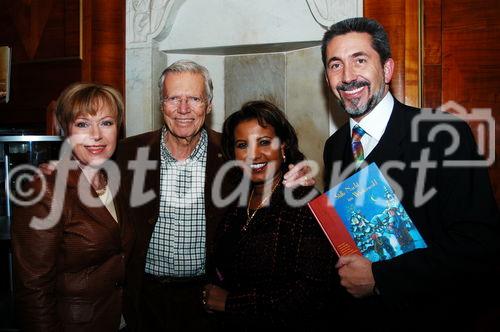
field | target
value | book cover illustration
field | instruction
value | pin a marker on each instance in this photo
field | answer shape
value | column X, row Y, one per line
column 363, row 215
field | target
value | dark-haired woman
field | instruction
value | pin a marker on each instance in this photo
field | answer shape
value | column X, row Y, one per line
column 273, row 262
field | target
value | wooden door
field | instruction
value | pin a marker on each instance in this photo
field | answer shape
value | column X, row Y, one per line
column 45, row 40
column 460, row 64
column 55, row 43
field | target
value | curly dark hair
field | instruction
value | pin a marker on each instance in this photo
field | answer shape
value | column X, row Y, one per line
column 266, row 114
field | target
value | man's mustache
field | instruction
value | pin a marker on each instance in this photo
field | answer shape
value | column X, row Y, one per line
column 352, row 85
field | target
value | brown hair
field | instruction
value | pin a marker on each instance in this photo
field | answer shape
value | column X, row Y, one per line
column 87, row 98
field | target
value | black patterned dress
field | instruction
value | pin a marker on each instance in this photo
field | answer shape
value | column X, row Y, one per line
column 279, row 271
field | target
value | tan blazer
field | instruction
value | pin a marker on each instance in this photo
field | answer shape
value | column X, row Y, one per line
column 69, row 277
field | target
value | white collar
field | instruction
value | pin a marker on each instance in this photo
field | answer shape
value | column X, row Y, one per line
column 375, row 122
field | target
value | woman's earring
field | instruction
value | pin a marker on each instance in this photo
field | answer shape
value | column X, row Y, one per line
column 284, row 157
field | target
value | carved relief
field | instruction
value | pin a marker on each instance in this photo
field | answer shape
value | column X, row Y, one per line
column 150, row 19
column 327, row 12
column 141, row 25
column 322, row 10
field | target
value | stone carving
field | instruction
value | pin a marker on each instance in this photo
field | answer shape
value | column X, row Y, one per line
column 327, row 12
column 150, row 19
column 322, row 10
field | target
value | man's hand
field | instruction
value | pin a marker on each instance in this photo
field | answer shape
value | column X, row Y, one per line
column 214, row 298
column 299, row 175
column 356, row 275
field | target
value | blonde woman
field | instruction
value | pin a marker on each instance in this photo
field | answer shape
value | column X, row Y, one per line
column 69, row 275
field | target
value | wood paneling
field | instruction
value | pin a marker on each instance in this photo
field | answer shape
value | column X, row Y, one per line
column 412, row 53
column 48, row 53
column 400, row 19
column 45, row 48
column 30, row 19
column 432, row 86
column 460, row 45
column 104, row 42
column 471, row 75
column 432, row 55
column 34, row 86
column 390, row 14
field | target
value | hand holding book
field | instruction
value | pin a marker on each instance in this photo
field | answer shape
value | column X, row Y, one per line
column 356, row 275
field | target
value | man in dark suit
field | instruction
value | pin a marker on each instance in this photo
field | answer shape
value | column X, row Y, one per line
column 452, row 206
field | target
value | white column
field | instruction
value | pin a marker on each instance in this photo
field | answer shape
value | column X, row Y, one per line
column 147, row 22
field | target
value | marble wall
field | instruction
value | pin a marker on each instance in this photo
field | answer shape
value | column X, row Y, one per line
column 143, row 68
column 254, row 50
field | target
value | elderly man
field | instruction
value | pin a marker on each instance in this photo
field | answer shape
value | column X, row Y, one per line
column 444, row 284
column 175, row 230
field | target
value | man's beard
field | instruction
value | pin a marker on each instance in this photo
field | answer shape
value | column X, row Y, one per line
column 356, row 110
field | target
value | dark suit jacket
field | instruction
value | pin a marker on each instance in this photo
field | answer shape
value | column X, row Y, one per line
column 69, row 277
column 459, row 222
column 145, row 216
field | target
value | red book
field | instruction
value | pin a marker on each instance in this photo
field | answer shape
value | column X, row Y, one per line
column 333, row 227
column 363, row 216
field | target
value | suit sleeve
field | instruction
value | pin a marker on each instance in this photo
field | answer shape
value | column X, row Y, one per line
column 327, row 161
column 35, row 257
column 462, row 231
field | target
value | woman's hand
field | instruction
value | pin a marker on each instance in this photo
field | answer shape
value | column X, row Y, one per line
column 214, row 298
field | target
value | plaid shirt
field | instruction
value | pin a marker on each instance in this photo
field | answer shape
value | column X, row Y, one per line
column 177, row 246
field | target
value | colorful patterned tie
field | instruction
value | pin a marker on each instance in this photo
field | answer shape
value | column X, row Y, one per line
column 357, row 148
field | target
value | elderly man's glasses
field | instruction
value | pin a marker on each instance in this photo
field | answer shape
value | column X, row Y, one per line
column 175, row 101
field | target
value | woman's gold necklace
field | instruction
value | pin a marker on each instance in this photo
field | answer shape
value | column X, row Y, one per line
column 102, row 190
column 262, row 202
